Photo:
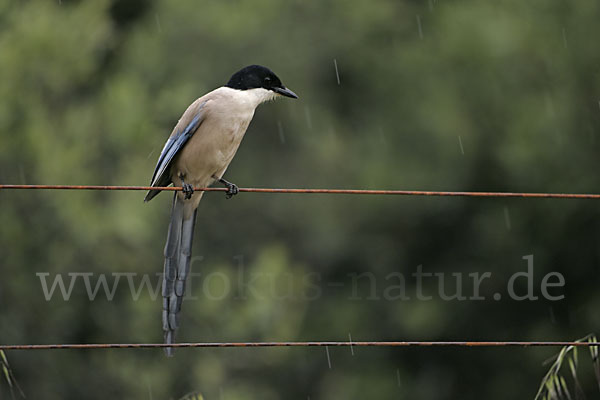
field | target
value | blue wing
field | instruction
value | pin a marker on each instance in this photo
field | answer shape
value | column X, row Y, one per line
column 161, row 176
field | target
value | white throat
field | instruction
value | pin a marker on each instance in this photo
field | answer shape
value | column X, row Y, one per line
column 251, row 97
column 260, row 95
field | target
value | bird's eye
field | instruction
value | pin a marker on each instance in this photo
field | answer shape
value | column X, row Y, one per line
column 267, row 79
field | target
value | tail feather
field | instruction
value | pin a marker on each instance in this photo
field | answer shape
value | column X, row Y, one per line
column 178, row 253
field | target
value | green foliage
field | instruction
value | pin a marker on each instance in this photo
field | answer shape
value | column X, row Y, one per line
column 192, row 396
column 9, row 376
column 435, row 95
column 554, row 385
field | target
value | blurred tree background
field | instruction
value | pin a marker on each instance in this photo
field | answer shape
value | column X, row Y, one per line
column 432, row 95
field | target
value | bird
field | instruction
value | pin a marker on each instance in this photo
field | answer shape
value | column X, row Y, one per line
column 197, row 154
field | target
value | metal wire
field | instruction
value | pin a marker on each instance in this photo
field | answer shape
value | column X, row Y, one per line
column 319, row 191
column 295, row 344
column 306, row 344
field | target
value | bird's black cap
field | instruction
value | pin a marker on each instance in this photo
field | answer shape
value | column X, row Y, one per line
column 257, row 76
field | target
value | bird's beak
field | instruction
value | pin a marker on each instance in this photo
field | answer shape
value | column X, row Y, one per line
column 285, row 92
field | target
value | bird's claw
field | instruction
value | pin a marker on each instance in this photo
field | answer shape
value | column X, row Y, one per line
column 232, row 190
column 188, row 191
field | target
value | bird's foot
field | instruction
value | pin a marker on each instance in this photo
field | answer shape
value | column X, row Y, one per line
column 188, row 190
column 232, row 188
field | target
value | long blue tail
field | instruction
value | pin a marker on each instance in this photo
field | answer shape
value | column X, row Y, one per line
column 178, row 253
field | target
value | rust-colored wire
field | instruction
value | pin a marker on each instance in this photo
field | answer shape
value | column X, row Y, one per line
column 320, row 191
column 294, row 344
column 305, row 344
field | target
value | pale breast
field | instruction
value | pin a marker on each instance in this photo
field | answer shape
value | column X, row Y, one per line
column 212, row 147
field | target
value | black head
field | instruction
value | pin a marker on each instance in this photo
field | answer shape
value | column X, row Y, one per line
column 257, row 76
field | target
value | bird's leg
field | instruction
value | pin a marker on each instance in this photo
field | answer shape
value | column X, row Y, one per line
column 188, row 190
column 232, row 188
